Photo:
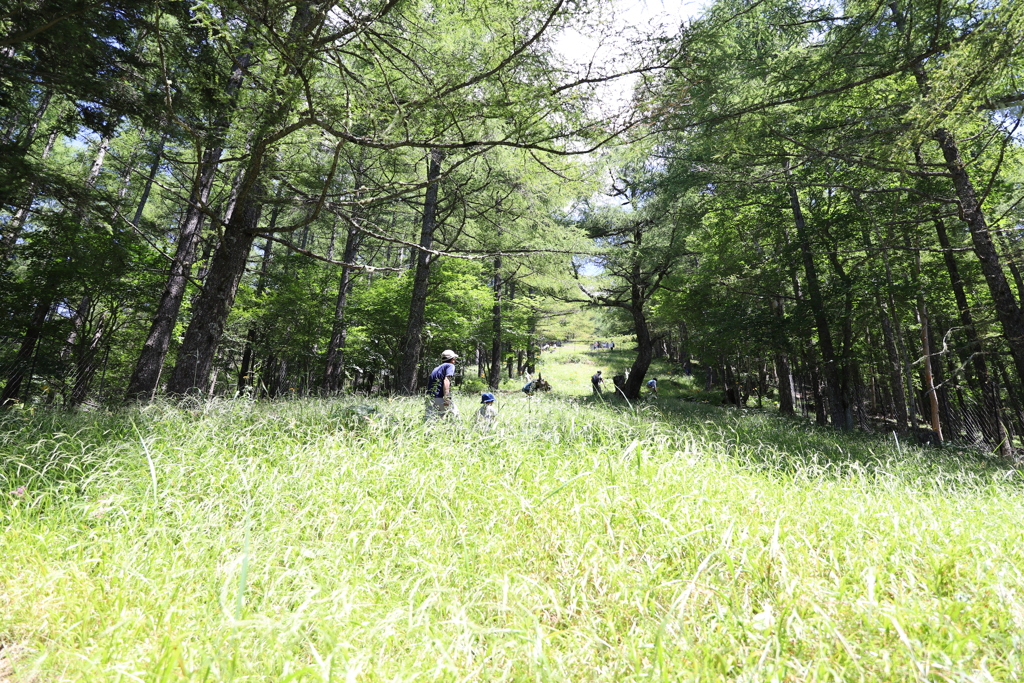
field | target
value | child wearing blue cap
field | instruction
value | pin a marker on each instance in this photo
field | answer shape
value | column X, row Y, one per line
column 486, row 416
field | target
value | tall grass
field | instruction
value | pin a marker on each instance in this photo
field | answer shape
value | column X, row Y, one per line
column 578, row 540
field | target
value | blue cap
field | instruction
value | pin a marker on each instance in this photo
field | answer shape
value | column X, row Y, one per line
column 486, row 397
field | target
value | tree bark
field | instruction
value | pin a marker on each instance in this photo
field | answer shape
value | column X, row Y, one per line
column 931, row 398
column 413, row 345
column 841, row 415
column 782, row 369
column 158, row 153
column 17, row 222
column 895, row 366
column 24, row 356
column 334, row 372
column 494, row 378
column 85, row 362
column 143, row 383
column 993, row 430
column 211, row 309
column 1007, row 310
column 644, row 348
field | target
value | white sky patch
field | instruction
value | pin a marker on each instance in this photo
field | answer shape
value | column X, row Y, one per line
column 605, row 48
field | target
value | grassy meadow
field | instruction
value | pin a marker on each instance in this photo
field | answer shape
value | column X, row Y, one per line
column 578, row 540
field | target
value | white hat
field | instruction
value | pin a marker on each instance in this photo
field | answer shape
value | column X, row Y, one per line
column 448, row 354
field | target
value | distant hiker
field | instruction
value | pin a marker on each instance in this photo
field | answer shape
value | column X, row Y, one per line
column 439, row 389
column 652, row 385
column 488, row 414
column 596, row 381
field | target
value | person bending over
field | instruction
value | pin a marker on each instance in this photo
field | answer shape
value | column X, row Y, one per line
column 439, row 389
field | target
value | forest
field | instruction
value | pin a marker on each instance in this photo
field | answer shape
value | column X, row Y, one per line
column 810, row 205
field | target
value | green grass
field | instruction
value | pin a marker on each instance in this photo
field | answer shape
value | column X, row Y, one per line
column 577, row 541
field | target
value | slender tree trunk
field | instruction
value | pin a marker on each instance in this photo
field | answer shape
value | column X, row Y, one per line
column 1007, row 310
column 895, row 367
column 334, row 372
column 833, row 381
column 993, row 430
column 86, row 363
column 494, row 378
column 782, row 369
column 531, row 350
column 1016, row 412
column 23, row 358
column 930, row 396
column 245, row 369
column 939, row 375
column 158, row 153
column 413, row 345
column 17, row 222
column 820, row 413
column 144, row 379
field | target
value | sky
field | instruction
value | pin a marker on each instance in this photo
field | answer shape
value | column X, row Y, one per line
column 626, row 17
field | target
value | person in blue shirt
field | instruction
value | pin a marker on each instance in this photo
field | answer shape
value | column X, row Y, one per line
column 652, row 385
column 439, row 388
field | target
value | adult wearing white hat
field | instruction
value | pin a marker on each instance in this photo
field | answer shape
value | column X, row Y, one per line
column 439, row 388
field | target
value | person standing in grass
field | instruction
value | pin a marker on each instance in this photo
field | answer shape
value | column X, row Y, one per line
column 439, row 389
column 596, row 381
column 652, row 386
column 488, row 414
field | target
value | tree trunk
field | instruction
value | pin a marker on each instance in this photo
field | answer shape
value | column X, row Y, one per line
column 1016, row 420
column 143, row 383
column 494, row 378
column 841, row 415
column 782, row 369
column 820, row 414
column 245, row 369
column 993, row 430
column 413, row 345
column 86, row 363
column 644, row 349
column 211, row 309
column 17, row 222
column 899, row 396
column 334, row 372
column 1007, row 310
column 931, row 398
column 148, row 186
column 531, row 346
column 23, row 358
